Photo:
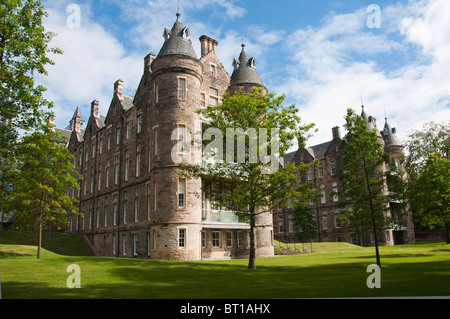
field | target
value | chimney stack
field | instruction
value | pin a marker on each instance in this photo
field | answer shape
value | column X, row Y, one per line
column 118, row 89
column 336, row 132
column 94, row 108
column 148, row 62
column 207, row 45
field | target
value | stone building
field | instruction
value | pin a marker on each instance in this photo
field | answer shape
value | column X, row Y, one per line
column 133, row 200
column 324, row 178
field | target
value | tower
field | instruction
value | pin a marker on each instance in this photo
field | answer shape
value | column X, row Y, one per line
column 176, row 75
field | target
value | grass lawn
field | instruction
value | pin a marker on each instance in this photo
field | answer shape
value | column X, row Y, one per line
column 334, row 270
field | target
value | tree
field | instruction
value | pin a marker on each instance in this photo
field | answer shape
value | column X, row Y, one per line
column 304, row 224
column 40, row 190
column 249, row 174
column 364, row 179
column 428, row 167
column 24, row 49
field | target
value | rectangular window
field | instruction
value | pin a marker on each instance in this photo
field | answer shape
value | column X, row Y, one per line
column 136, row 209
column 107, row 177
column 332, row 168
column 128, row 131
column 216, row 239
column 135, row 244
column 115, row 214
column 181, row 193
column 229, row 239
column 213, row 70
column 324, row 222
column 309, row 174
column 239, row 242
column 127, row 168
column 213, row 96
column 125, row 211
column 98, row 217
column 181, row 238
column 154, row 195
column 337, row 222
column 118, row 136
column 109, row 142
column 203, row 239
column 116, row 174
column 154, row 239
column 156, row 92
column 114, row 244
column 322, row 192
column 124, row 245
column 101, row 144
column 181, row 88
column 138, row 164
column 139, row 122
column 106, row 215
column 149, row 206
column 148, row 243
column 320, row 170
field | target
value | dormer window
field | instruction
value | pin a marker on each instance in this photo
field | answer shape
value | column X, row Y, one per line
column 166, row 34
column 185, row 33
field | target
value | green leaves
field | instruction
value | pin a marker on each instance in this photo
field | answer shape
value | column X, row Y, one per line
column 41, row 183
column 428, row 166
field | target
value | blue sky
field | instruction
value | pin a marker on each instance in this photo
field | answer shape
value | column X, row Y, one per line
column 323, row 55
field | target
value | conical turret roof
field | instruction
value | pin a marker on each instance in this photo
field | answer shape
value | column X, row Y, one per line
column 244, row 70
column 389, row 136
column 177, row 41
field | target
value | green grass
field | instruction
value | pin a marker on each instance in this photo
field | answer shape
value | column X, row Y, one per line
column 334, row 271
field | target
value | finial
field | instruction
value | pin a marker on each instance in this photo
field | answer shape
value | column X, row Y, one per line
column 362, row 104
column 178, row 10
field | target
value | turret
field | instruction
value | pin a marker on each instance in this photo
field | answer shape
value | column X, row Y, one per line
column 244, row 76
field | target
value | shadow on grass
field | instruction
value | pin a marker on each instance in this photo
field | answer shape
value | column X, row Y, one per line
column 159, row 280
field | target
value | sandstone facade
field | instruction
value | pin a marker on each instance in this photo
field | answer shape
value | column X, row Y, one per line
column 132, row 199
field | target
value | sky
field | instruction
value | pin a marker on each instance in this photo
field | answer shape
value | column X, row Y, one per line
column 324, row 56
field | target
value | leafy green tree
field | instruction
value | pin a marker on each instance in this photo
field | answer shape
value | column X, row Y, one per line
column 428, row 167
column 363, row 179
column 251, row 184
column 24, row 50
column 304, row 224
column 42, row 183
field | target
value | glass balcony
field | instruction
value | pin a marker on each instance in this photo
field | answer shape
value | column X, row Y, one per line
column 221, row 217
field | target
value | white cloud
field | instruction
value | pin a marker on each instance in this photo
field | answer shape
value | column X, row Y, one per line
column 93, row 60
column 332, row 65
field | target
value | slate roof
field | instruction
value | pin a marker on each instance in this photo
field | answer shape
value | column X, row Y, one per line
column 389, row 136
column 244, row 70
column 177, row 41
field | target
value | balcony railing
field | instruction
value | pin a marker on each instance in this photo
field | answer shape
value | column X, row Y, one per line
column 221, row 216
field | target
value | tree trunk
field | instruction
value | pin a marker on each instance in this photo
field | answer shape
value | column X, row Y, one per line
column 252, row 256
column 39, row 240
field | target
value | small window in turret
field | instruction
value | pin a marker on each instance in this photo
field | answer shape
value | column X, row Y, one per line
column 181, row 88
